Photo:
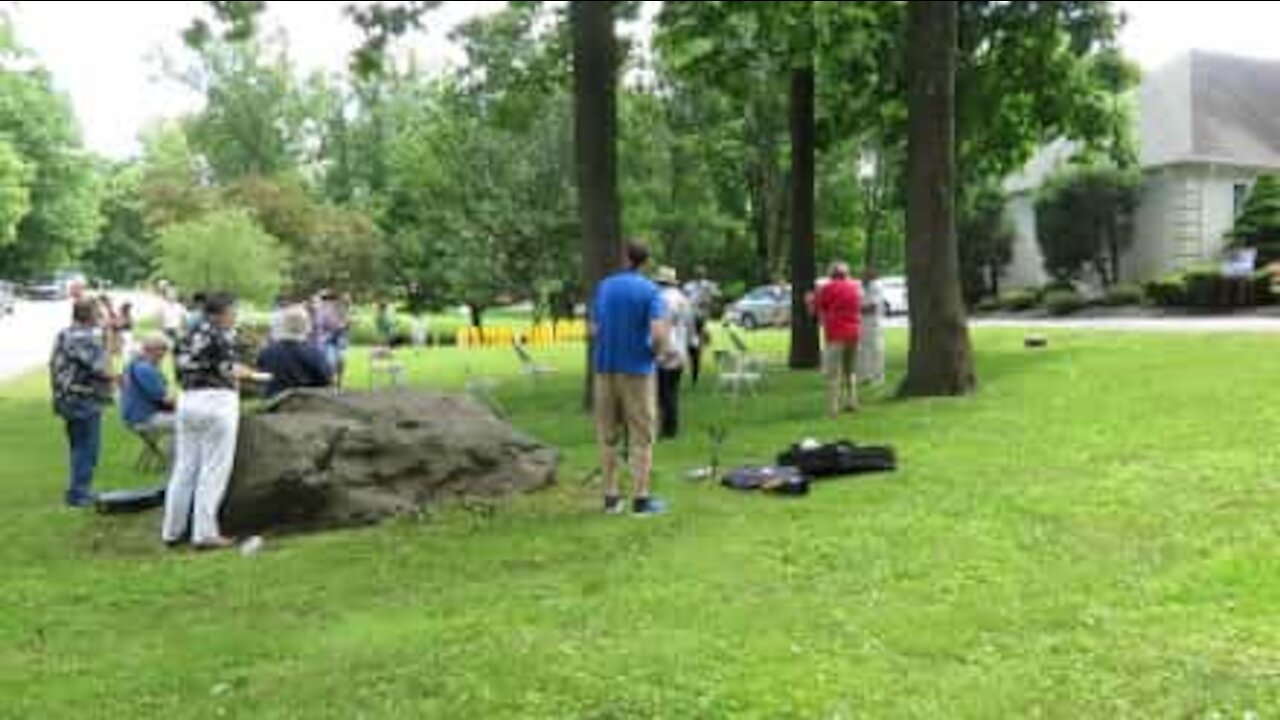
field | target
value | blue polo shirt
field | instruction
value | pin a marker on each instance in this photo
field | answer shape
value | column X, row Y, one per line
column 145, row 390
column 624, row 306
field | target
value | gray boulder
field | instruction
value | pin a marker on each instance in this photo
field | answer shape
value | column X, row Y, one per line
column 316, row 459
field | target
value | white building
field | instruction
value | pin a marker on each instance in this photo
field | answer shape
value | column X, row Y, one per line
column 1208, row 126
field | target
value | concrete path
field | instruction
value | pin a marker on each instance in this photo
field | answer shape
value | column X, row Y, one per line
column 26, row 337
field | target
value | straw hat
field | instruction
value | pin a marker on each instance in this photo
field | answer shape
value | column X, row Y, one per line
column 666, row 276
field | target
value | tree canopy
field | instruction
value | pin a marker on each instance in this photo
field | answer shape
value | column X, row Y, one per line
column 224, row 250
column 49, row 187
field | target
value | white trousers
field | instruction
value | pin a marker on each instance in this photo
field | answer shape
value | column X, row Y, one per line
column 871, row 351
column 205, row 451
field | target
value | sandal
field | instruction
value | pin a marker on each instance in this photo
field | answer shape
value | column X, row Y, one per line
column 218, row 543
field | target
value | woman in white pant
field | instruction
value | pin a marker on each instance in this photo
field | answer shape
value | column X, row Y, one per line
column 205, row 434
column 871, row 348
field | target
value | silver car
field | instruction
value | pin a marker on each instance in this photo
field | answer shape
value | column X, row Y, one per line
column 765, row 306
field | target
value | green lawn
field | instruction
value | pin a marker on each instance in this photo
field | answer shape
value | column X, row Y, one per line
column 1094, row 535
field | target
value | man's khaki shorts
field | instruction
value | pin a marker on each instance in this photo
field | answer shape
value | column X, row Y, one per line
column 626, row 402
column 839, row 359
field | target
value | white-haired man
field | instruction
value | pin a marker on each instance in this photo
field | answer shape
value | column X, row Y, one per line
column 292, row 360
column 838, row 305
column 145, row 400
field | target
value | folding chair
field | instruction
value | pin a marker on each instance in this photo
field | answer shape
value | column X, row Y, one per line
column 382, row 361
column 527, row 364
column 751, row 362
column 153, row 456
column 734, row 376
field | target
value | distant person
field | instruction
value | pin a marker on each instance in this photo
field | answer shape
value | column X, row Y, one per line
column 838, row 305
column 292, row 361
column 82, row 384
column 207, row 425
column 124, row 329
column 277, row 311
column 385, row 324
column 628, row 332
column 195, row 312
column 109, row 324
column 420, row 331
column 332, row 325
column 681, row 319
column 145, row 400
column 173, row 316
column 870, row 367
column 704, row 295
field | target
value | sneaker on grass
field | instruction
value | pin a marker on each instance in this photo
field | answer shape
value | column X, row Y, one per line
column 642, row 507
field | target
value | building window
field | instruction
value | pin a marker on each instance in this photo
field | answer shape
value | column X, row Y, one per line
column 1239, row 193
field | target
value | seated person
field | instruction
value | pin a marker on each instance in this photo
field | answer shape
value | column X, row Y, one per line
column 292, row 360
column 145, row 401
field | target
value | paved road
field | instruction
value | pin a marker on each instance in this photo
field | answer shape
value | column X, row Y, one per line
column 26, row 337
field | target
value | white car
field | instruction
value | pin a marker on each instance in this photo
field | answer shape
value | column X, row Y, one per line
column 894, row 290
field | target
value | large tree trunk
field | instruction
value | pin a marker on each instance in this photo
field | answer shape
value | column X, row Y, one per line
column 941, row 357
column 595, row 73
column 804, row 331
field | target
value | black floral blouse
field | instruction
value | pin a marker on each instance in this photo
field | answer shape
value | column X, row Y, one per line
column 206, row 359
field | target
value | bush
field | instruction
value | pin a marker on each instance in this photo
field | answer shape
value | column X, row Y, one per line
column 1202, row 285
column 225, row 250
column 988, row 305
column 1019, row 300
column 1168, row 291
column 1263, row 288
column 731, row 291
column 1063, row 302
column 1122, row 295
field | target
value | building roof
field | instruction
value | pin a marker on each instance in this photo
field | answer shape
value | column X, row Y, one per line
column 1203, row 107
column 1210, row 107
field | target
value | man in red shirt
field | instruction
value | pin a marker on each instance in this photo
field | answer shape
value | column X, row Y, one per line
column 838, row 304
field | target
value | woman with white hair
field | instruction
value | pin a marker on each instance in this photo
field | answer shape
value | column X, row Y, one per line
column 292, row 360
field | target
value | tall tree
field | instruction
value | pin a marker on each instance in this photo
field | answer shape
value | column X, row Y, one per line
column 258, row 119
column 940, row 362
column 804, row 331
column 125, row 250
column 595, row 73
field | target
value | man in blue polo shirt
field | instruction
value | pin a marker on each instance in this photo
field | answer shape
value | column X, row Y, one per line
column 629, row 331
column 145, row 399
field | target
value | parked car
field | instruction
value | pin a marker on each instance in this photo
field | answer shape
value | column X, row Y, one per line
column 46, row 289
column 7, row 298
column 765, row 306
column 894, row 290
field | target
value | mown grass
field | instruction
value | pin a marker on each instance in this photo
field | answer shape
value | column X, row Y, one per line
column 1091, row 536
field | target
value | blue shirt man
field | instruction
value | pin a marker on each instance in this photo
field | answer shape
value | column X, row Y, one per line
column 145, row 396
column 625, row 306
column 628, row 332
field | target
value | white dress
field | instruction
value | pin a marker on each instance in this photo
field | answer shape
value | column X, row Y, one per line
column 871, row 345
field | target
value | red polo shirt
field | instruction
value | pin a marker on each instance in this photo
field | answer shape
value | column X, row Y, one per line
column 839, row 306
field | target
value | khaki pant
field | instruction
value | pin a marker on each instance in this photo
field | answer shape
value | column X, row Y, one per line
column 625, row 403
column 839, row 359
